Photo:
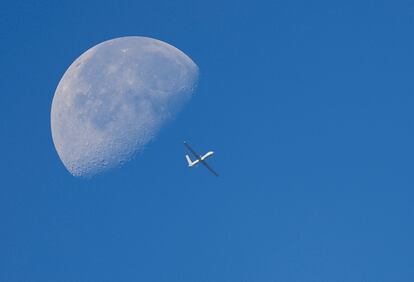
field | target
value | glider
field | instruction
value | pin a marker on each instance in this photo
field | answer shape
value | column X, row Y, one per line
column 199, row 158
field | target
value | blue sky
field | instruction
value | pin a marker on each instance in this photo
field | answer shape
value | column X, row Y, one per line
column 307, row 104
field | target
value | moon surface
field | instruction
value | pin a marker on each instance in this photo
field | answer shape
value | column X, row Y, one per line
column 114, row 99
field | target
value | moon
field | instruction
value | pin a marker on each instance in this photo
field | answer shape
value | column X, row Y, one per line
column 114, row 99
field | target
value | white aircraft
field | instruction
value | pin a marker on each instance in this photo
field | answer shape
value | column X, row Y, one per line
column 199, row 158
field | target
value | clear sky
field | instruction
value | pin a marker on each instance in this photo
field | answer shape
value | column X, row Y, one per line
column 307, row 104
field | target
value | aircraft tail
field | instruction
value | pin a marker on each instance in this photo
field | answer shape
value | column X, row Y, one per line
column 190, row 163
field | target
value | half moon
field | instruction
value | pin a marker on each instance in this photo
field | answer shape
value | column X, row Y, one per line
column 113, row 100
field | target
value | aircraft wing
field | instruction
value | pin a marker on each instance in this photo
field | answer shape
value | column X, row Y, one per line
column 192, row 151
column 209, row 168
